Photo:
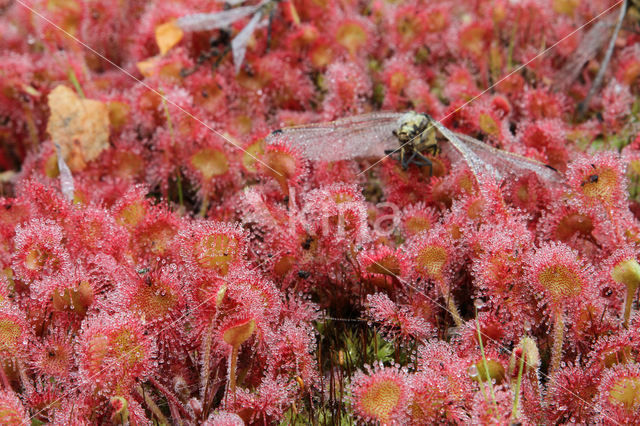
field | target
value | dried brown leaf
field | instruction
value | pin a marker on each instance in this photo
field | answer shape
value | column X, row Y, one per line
column 79, row 126
column 168, row 35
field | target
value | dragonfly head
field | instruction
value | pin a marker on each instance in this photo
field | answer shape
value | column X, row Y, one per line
column 411, row 125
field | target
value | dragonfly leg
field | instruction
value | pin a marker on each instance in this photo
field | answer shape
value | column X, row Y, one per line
column 405, row 163
column 433, row 149
column 423, row 161
column 391, row 153
column 219, row 59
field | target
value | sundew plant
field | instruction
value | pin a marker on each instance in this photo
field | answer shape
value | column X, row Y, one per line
column 167, row 259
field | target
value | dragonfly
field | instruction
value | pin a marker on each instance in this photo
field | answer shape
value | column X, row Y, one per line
column 409, row 136
column 224, row 20
column 606, row 29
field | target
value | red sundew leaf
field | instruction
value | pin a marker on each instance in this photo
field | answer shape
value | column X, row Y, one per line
column 381, row 394
column 12, row 412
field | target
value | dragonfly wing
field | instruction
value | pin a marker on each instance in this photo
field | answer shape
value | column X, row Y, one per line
column 214, row 21
column 480, row 168
column 591, row 43
column 66, row 178
column 239, row 42
column 231, row 2
column 510, row 163
column 360, row 136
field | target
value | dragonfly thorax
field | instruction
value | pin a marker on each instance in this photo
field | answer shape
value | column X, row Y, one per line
column 411, row 128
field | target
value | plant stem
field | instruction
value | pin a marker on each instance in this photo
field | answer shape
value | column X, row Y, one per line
column 453, row 310
column 204, row 207
column 206, row 361
column 558, row 338
column 3, row 376
column 628, row 301
column 486, row 367
column 179, row 183
column 152, row 406
column 233, row 362
column 171, row 398
column 173, row 143
column 76, row 83
column 26, row 383
column 516, row 399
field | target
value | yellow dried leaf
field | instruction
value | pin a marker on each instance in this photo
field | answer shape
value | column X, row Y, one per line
column 168, row 35
column 147, row 67
column 79, row 126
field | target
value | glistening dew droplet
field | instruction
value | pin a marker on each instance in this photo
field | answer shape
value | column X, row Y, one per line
column 473, row 371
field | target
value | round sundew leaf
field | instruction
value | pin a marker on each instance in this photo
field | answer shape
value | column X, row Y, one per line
column 398, row 81
column 251, row 153
column 156, row 237
column 210, row 163
column 282, row 166
column 120, row 410
column 388, row 265
column 573, row 223
column 627, row 392
column 56, row 360
column 10, row 333
column 628, row 273
column 565, row 7
column 351, row 36
column 380, row 399
column 601, row 185
column 118, row 114
column 417, row 224
column 473, row 39
column 560, row 282
column 35, row 259
column 431, row 260
column 488, row 125
column 132, row 214
column 12, row 411
column 128, row 165
column 321, row 55
column 216, row 252
column 238, row 334
column 127, row 348
column 155, row 301
column 76, row 299
column 620, row 356
column 494, row 370
column 284, row 265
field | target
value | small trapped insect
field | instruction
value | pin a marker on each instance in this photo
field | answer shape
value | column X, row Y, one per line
column 593, row 178
column 218, row 49
column 410, row 135
column 225, row 18
column 307, row 243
